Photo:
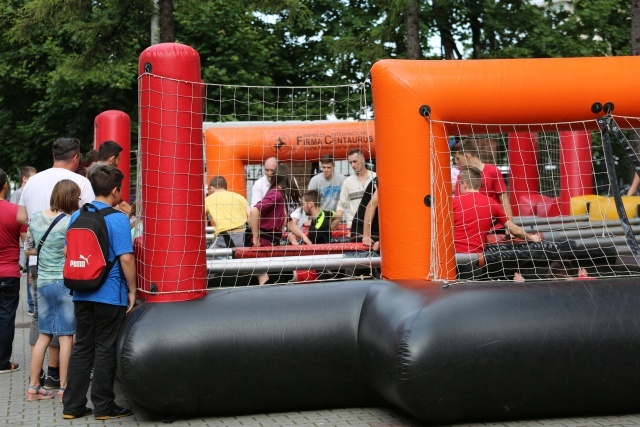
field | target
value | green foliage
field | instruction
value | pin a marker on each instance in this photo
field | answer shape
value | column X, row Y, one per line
column 65, row 61
column 63, row 65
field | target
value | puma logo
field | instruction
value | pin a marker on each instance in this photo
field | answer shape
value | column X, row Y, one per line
column 86, row 259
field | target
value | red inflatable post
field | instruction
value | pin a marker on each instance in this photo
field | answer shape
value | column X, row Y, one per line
column 576, row 167
column 114, row 125
column 523, row 172
column 172, row 255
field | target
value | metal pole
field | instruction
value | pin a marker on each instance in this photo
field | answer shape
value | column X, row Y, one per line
column 523, row 221
column 585, row 233
column 290, row 263
column 582, row 225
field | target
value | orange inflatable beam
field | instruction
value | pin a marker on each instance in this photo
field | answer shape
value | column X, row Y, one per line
column 229, row 147
column 525, row 92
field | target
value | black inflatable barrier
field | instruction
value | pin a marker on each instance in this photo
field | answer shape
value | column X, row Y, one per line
column 478, row 351
column 248, row 350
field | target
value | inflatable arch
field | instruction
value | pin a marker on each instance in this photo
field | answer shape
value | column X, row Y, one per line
column 482, row 351
column 526, row 92
column 231, row 146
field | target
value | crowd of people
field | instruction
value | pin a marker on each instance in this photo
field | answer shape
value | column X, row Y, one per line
column 278, row 204
column 78, row 329
column 480, row 204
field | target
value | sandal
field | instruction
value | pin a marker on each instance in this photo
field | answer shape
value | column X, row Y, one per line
column 38, row 394
column 60, row 393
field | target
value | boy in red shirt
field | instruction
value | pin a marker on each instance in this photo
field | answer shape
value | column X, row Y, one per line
column 466, row 153
column 474, row 214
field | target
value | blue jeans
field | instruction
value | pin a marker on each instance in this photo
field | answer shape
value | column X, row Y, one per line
column 55, row 309
column 9, row 298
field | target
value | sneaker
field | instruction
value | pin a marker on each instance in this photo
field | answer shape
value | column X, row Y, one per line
column 115, row 412
column 43, row 377
column 11, row 368
column 51, row 383
column 29, row 312
column 80, row 414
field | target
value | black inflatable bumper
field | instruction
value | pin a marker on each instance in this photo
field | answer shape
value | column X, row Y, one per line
column 472, row 352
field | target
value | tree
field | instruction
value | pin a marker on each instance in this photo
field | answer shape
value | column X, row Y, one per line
column 167, row 26
column 635, row 27
column 413, row 30
column 63, row 63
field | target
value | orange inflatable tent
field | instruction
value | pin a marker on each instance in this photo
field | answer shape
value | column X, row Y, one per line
column 231, row 146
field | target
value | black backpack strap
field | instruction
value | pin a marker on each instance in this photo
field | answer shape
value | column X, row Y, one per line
column 46, row 234
column 105, row 212
column 108, row 211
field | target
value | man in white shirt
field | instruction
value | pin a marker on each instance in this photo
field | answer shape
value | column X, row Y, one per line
column 36, row 197
column 352, row 188
column 261, row 186
column 37, row 192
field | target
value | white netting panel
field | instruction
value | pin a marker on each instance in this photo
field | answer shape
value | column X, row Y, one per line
column 558, row 188
column 297, row 126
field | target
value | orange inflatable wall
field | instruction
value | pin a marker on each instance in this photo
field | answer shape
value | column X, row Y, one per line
column 510, row 91
column 229, row 147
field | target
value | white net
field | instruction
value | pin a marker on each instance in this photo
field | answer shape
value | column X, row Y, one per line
column 244, row 127
column 555, row 180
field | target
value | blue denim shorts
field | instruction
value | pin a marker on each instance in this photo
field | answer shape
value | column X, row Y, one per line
column 55, row 309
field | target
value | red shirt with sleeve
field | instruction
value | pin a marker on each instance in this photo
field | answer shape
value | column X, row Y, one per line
column 492, row 182
column 473, row 216
column 9, row 240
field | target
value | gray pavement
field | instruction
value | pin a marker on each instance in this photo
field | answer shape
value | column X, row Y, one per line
column 15, row 411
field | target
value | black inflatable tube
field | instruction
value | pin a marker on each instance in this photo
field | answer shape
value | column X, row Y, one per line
column 492, row 352
column 468, row 352
column 248, row 350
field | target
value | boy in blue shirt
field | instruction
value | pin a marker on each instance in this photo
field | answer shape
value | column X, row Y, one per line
column 100, row 313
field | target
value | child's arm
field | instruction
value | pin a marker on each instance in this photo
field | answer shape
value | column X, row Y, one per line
column 294, row 231
column 29, row 245
column 368, row 219
column 506, row 205
column 254, row 223
column 634, row 185
column 128, row 264
column 519, row 232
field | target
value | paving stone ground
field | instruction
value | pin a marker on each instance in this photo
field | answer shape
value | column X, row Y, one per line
column 15, row 411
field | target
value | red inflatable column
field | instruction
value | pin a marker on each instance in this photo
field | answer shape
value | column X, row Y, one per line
column 576, row 167
column 523, row 167
column 114, row 125
column 172, row 255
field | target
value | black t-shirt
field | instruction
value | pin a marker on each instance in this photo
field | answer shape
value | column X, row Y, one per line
column 320, row 230
column 357, row 225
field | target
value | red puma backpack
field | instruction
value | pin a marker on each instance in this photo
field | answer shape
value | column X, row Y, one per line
column 87, row 263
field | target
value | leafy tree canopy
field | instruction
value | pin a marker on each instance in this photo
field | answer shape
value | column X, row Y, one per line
column 65, row 61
